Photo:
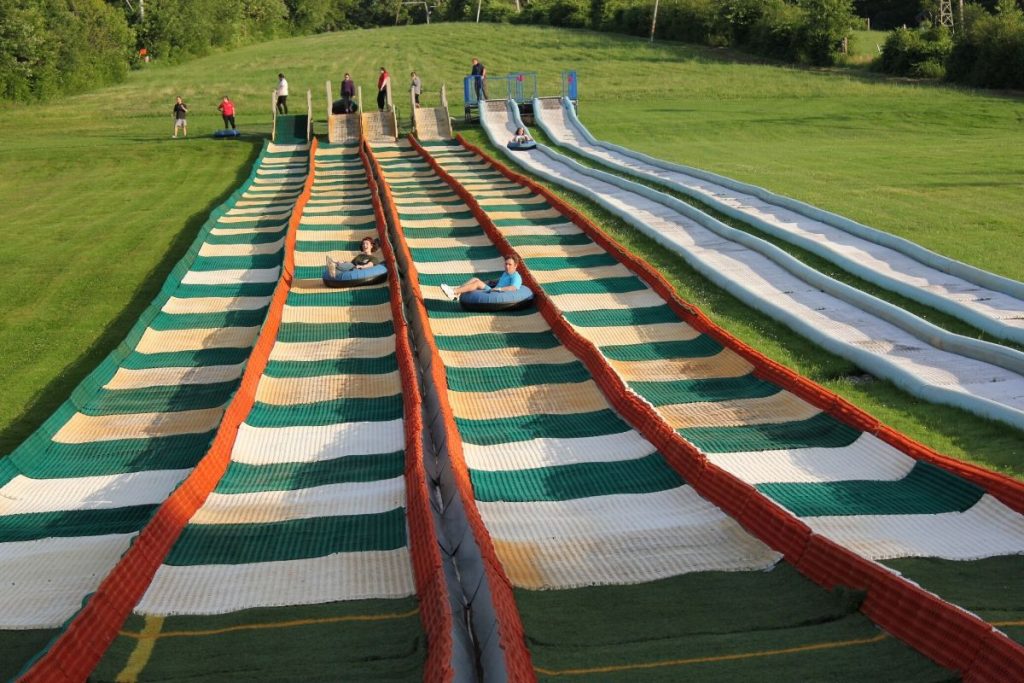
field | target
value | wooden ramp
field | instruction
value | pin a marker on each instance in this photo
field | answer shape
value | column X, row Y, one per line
column 380, row 126
column 433, row 123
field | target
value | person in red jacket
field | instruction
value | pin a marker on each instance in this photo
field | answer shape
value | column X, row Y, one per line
column 383, row 83
column 227, row 112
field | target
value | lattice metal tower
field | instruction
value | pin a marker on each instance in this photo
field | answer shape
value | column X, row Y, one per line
column 946, row 13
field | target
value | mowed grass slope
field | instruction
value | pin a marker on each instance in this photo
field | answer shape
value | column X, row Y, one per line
column 99, row 202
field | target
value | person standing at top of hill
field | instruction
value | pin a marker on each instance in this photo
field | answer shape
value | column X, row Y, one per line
column 180, row 114
column 417, row 87
column 227, row 112
column 479, row 71
column 348, row 93
column 383, row 83
column 282, row 94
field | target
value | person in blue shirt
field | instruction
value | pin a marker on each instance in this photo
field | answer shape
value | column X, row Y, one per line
column 509, row 281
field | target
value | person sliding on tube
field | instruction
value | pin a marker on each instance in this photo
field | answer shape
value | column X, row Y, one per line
column 521, row 136
column 367, row 257
column 510, row 281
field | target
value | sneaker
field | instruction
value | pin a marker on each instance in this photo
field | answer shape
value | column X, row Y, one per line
column 332, row 268
column 449, row 292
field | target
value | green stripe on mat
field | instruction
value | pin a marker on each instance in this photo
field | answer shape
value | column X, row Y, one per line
column 435, row 233
column 529, row 427
column 608, row 285
column 926, row 490
column 622, row 317
column 198, row 321
column 288, row 540
column 820, row 431
column 704, row 390
column 434, row 216
column 356, row 296
column 527, row 220
column 246, row 478
column 482, row 342
column 311, row 332
column 453, row 253
column 99, row 458
column 246, row 238
column 435, row 280
column 698, row 347
column 649, row 474
column 335, row 411
column 159, row 399
column 331, row 366
column 186, row 359
column 494, row 379
column 353, row 640
column 73, row 523
column 548, row 240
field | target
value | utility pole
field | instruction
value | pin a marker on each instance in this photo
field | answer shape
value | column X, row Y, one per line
column 654, row 19
column 478, row 4
column 946, row 14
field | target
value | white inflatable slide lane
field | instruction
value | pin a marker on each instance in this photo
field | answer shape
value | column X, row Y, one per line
column 886, row 341
column 989, row 302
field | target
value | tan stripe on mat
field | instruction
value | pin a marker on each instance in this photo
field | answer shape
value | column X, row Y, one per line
column 484, row 324
column 377, row 313
column 542, row 250
column 165, row 377
column 541, row 399
column 214, row 304
column 780, row 407
column 608, row 302
column 496, row 358
column 296, row 390
column 241, row 249
column 86, row 428
column 641, row 334
column 166, row 341
column 357, row 347
column 724, row 364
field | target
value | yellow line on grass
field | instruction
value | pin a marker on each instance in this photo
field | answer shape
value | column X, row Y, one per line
column 719, row 658
column 143, row 650
column 145, row 635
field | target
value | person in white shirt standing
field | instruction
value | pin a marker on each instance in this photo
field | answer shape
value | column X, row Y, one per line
column 282, row 94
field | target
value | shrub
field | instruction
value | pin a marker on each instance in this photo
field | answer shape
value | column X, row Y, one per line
column 990, row 53
column 921, row 53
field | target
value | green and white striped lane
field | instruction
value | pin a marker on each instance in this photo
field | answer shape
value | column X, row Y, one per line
column 78, row 490
column 619, row 568
column 297, row 566
column 847, row 485
column 571, row 494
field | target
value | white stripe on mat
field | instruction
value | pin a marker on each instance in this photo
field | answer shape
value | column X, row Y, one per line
column 867, row 458
column 158, row 377
column 44, row 580
column 987, row 529
column 23, row 495
column 222, row 588
column 227, row 277
column 266, row 445
column 332, row 500
column 523, row 455
column 619, row 539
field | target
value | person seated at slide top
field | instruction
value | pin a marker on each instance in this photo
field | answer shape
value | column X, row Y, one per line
column 510, row 281
column 367, row 257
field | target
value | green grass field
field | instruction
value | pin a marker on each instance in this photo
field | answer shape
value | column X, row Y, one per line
column 99, row 202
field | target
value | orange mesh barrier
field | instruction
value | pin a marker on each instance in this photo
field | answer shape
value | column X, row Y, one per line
column 77, row 651
column 939, row 630
column 510, row 627
column 435, row 614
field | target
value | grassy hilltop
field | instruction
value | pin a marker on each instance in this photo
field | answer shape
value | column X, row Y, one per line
column 98, row 201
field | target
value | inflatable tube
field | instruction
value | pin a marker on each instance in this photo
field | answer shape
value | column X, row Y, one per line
column 522, row 146
column 357, row 277
column 481, row 300
column 338, row 107
column 226, row 133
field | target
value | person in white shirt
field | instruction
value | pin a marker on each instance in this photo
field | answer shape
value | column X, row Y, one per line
column 282, row 94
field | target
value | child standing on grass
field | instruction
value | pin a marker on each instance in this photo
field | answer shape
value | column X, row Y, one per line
column 227, row 112
column 180, row 112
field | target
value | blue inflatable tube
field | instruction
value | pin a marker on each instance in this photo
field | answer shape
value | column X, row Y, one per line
column 226, row 133
column 357, row 277
column 522, row 146
column 481, row 300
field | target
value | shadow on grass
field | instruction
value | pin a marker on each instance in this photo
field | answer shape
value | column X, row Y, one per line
column 50, row 397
